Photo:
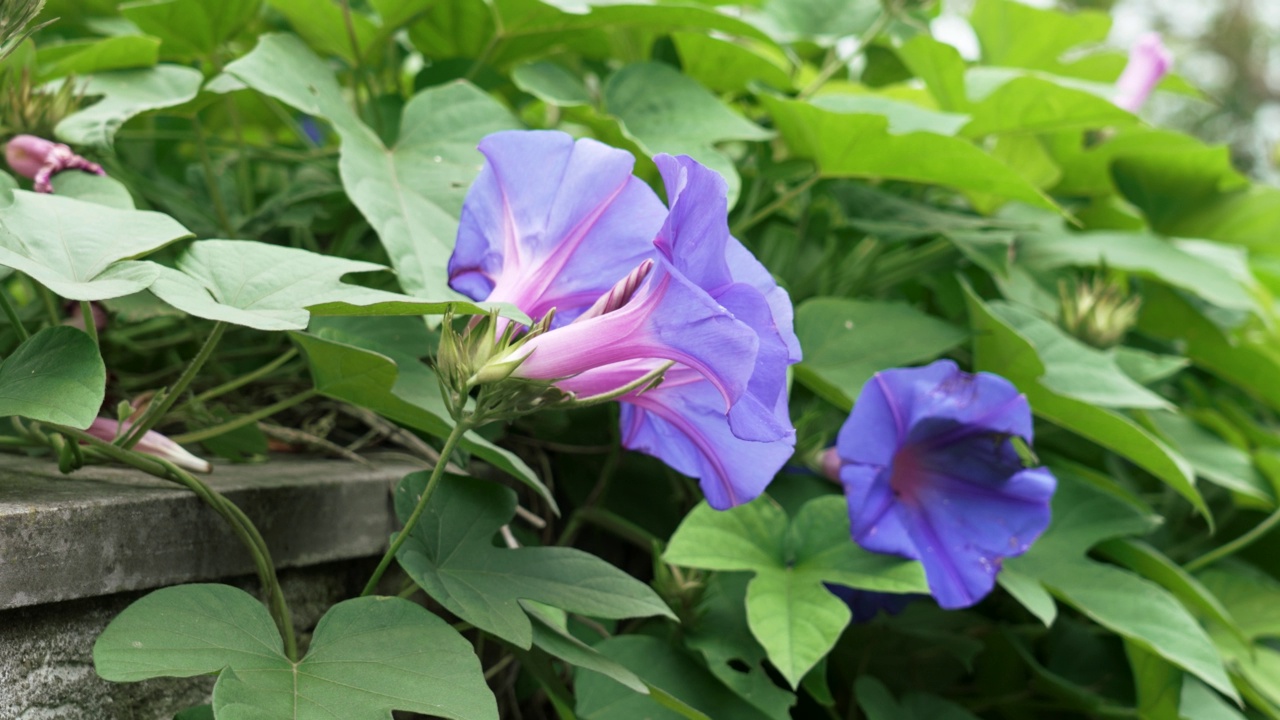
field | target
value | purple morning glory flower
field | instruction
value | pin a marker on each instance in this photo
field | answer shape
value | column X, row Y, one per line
column 930, row 474
column 553, row 223
column 1149, row 61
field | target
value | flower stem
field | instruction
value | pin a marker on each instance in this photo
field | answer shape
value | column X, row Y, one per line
column 154, row 413
column 247, row 378
column 253, row 417
column 450, row 444
column 1234, row 546
column 90, row 325
column 240, row 524
column 12, row 314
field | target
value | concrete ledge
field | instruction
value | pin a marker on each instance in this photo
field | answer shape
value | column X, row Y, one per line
column 106, row 530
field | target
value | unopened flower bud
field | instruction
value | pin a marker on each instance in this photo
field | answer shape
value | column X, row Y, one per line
column 828, row 462
column 1099, row 312
column 40, row 159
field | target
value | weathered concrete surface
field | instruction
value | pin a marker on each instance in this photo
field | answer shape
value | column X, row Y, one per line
column 46, row 661
column 107, row 530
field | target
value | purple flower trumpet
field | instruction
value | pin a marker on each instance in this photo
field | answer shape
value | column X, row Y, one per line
column 39, row 159
column 152, row 443
column 1149, row 61
column 553, row 224
column 931, row 474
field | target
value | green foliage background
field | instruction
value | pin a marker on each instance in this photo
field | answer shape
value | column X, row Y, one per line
column 914, row 204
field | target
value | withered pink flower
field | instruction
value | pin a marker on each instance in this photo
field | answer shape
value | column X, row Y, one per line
column 39, row 159
column 152, row 443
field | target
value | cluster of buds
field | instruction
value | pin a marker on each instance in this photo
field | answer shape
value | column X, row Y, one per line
column 479, row 368
column 1099, row 311
column 483, row 355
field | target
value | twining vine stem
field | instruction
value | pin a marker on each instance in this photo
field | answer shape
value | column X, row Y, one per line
column 240, row 523
column 450, row 444
column 156, row 411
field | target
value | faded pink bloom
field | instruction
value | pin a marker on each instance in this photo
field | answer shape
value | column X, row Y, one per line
column 39, row 159
column 1149, row 61
column 152, row 443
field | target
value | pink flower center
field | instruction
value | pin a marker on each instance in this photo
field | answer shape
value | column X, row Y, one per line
column 907, row 474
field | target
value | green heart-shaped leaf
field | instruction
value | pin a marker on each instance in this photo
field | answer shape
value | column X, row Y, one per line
column 368, row 656
column 55, row 376
column 789, row 609
column 126, row 93
column 450, row 554
column 82, row 250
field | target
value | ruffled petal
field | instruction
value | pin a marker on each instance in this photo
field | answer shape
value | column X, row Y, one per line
column 682, row 422
column 551, row 222
column 963, row 530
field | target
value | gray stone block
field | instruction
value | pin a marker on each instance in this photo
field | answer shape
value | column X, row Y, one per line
column 105, row 530
column 75, row 551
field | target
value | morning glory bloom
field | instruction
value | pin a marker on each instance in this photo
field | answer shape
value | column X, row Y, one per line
column 557, row 224
column 39, row 159
column 152, row 443
column 930, row 474
column 1149, row 61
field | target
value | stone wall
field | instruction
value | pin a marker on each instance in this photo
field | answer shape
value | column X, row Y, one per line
column 75, row 551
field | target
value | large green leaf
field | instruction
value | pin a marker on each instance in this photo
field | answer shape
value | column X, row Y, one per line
column 725, row 66
column 789, row 609
column 1236, row 358
column 859, row 144
column 940, row 67
column 722, row 635
column 54, row 376
column 665, row 111
column 820, row 21
column 1141, row 253
column 847, row 341
column 1016, row 35
column 368, row 656
column 450, row 554
column 86, row 57
column 125, row 94
column 878, row 704
column 412, row 192
column 1213, row 458
column 270, row 287
column 1073, row 369
column 1131, row 606
column 506, row 31
column 324, row 26
column 82, row 250
column 1031, row 104
column 190, row 28
column 551, row 83
column 1000, row 348
column 681, row 687
column 401, row 389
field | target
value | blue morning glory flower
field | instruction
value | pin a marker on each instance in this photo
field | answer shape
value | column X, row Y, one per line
column 930, row 474
column 557, row 224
